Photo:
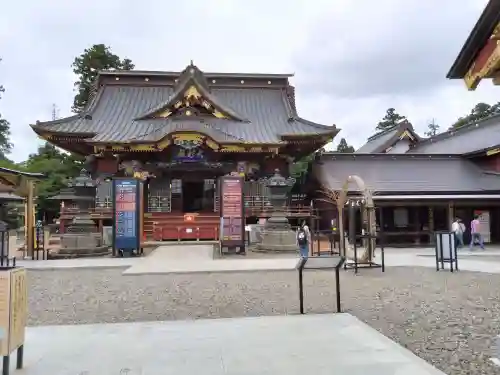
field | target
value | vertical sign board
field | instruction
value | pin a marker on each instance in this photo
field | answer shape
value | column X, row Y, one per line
column 13, row 309
column 232, row 231
column 126, row 214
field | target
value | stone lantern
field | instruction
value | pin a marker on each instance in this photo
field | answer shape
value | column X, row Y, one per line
column 82, row 238
column 277, row 234
column 79, row 195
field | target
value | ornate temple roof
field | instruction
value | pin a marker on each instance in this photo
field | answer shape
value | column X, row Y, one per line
column 478, row 38
column 138, row 106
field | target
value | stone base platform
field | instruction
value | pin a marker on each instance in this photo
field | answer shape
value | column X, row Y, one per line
column 291, row 345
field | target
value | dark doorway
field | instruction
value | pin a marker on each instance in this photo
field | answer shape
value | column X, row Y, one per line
column 192, row 196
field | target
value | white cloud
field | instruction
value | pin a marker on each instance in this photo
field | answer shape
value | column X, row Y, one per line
column 352, row 60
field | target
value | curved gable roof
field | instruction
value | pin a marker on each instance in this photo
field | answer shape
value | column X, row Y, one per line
column 385, row 139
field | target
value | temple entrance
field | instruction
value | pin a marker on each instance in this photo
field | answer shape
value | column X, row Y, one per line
column 193, row 196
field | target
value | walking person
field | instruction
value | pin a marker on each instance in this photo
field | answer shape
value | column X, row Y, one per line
column 475, row 235
column 458, row 228
column 303, row 239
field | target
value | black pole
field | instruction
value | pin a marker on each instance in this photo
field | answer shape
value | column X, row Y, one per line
column 3, row 248
column 382, row 253
column 332, row 239
column 436, row 251
column 5, row 365
column 450, row 239
column 301, row 290
column 442, row 252
column 337, row 286
column 355, row 257
column 20, row 357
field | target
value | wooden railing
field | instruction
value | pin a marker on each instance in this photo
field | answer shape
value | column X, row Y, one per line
column 249, row 211
column 175, row 227
column 97, row 211
column 293, row 211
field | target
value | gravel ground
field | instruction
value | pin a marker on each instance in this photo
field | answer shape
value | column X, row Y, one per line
column 447, row 319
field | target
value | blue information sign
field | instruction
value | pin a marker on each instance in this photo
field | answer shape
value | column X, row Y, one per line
column 126, row 214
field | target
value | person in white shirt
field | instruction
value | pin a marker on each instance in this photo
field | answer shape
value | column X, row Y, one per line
column 458, row 228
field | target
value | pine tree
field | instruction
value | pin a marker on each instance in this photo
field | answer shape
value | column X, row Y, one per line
column 87, row 66
column 344, row 147
column 390, row 119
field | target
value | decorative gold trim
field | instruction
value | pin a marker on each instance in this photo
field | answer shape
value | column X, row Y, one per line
column 406, row 134
column 472, row 78
column 192, row 95
column 232, row 148
column 493, row 152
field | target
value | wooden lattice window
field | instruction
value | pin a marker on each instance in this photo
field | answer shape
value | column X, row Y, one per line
column 159, row 196
column 176, row 195
column 103, row 197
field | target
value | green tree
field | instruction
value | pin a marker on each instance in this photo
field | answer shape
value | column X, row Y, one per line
column 87, row 66
column 390, row 119
column 5, row 145
column 433, row 129
column 479, row 112
column 344, row 147
column 58, row 166
column 299, row 168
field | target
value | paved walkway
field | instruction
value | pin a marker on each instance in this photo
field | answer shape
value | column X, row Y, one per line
column 77, row 263
column 476, row 261
column 294, row 344
column 198, row 258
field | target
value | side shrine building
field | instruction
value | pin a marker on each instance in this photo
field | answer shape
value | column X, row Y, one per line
column 180, row 132
column 420, row 185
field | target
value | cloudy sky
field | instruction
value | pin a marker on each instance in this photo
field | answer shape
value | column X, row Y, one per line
column 352, row 59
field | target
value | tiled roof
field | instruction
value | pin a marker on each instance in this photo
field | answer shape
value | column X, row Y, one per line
column 10, row 197
column 466, row 139
column 381, row 141
column 376, row 142
column 405, row 173
column 113, row 116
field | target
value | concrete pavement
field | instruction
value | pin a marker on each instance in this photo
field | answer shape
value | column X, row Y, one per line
column 293, row 344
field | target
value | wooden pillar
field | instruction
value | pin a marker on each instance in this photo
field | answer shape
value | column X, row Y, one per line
column 451, row 214
column 341, row 229
column 312, row 228
column 416, row 218
column 431, row 224
column 30, row 215
column 142, row 210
